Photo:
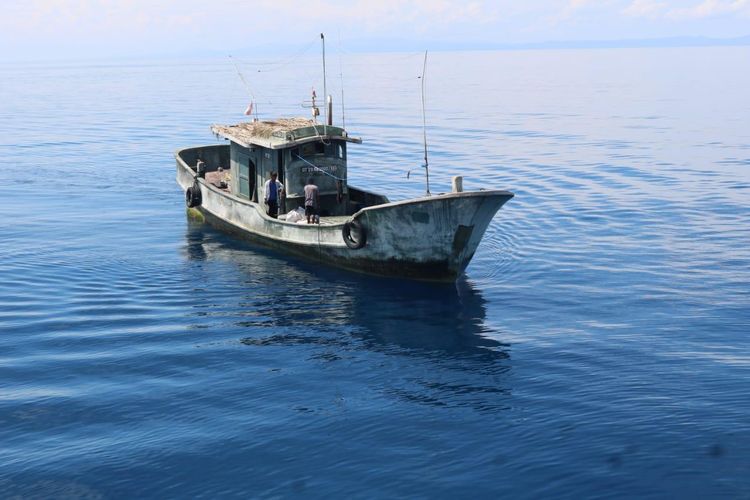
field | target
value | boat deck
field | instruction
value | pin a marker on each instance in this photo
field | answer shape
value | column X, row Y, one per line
column 215, row 179
column 218, row 179
column 324, row 221
column 334, row 220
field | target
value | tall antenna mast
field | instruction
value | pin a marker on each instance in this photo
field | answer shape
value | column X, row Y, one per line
column 325, row 92
column 341, row 74
column 424, row 128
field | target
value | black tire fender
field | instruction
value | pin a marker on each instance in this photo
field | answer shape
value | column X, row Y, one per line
column 346, row 232
column 193, row 196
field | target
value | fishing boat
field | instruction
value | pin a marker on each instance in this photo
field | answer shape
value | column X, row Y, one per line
column 432, row 237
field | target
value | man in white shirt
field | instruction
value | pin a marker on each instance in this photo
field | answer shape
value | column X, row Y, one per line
column 272, row 192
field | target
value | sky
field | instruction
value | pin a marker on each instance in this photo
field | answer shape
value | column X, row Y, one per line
column 83, row 29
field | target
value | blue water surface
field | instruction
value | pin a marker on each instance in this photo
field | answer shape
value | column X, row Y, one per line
column 598, row 345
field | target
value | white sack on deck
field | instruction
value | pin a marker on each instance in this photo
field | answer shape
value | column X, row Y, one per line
column 295, row 215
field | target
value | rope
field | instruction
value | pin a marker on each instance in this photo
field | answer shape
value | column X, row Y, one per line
column 247, row 86
column 293, row 58
column 320, row 169
column 320, row 249
column 317, row 132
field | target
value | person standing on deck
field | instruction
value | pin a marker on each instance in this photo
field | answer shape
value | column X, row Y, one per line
column 272, row 191
column 312, row 201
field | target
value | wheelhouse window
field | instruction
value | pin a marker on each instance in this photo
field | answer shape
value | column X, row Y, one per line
column 332, row 150
column 310, row 149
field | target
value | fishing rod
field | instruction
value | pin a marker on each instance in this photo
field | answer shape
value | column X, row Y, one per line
column 341, row 74
column 424, row 127
column 426, row 164
column 325, row 91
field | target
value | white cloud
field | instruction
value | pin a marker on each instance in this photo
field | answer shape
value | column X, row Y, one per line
column 103, row 17
column 569, row 10
column 710, row 8
column 40, row 28
column 701, row 10
column 644, row 8
column 381, row 13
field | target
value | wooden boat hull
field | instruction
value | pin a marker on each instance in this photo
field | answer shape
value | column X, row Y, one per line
column 431, row 238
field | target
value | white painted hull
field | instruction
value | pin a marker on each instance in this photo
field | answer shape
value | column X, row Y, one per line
column 430, row 238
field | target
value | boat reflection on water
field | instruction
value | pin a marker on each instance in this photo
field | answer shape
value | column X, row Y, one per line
column 290, row 302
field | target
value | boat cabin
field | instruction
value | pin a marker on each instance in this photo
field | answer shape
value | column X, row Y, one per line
column 297, row 149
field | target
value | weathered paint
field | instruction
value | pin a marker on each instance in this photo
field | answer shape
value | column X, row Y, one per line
column 431, row 238
column 294, row 167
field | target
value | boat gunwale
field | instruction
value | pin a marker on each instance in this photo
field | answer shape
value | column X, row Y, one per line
column 357, row 214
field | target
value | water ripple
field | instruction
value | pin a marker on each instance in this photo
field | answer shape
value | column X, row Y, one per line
column 597, row 342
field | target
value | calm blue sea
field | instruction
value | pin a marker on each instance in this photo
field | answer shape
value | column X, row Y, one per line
column 598, row 345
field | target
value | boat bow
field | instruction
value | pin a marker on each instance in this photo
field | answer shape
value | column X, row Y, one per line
column 435, row 232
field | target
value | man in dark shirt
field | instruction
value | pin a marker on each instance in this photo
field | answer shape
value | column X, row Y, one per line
column 272, row 190
column 312, row 201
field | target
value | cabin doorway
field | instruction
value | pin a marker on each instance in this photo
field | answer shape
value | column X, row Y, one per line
column 280, row 168
column 252, row 180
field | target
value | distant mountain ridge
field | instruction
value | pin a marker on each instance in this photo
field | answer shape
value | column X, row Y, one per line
column 436, row 45
column 441, row 45
column 375, row 45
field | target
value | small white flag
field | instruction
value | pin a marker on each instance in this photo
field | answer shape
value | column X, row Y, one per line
column 249, row 110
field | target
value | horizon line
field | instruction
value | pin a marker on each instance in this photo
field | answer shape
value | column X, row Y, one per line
column 366, row 46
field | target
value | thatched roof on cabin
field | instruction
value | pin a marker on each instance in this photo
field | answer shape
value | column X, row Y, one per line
column 278, row 133
column 266, row 129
